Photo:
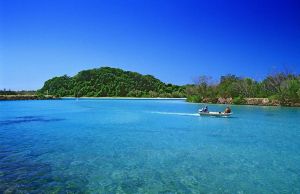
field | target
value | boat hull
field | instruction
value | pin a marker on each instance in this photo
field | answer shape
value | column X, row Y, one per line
column 215, row 114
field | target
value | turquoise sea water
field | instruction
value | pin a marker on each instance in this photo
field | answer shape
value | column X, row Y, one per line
column 146, row 146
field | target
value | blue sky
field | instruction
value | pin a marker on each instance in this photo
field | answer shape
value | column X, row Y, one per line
column 174, row 40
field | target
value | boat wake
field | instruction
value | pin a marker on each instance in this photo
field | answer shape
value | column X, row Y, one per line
column 176, row 113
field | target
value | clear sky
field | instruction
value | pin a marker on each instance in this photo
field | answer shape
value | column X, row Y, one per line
column 174, row 40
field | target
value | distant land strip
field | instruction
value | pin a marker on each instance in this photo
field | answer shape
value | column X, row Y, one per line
column 27, row 97
column 279, row 89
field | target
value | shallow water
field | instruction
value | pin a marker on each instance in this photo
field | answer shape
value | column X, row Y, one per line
column 146, row 146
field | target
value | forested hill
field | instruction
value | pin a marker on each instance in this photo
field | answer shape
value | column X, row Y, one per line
column 109, row 82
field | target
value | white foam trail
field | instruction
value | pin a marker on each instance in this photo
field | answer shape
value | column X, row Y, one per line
column 176, row 113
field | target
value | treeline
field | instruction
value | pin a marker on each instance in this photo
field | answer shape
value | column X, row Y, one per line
column 12, row 92
column 23, row 95
column 281, row 87
column 110, row 82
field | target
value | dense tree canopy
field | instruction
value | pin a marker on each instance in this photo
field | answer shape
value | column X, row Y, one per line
column 106, row 81
column 109, row 82
column 282, row 87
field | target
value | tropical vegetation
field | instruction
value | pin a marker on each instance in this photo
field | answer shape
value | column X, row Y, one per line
column 110, row 82
column 281, row 87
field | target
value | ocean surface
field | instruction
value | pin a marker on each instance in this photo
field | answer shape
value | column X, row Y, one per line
column 146, row 146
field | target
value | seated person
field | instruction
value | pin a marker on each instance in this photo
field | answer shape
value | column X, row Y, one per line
column 227, row 110
column 205, row 109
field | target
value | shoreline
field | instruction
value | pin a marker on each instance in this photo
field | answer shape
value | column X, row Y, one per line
column 35, row 97
column 124, row 98
column 250, row 105
column 248, row 102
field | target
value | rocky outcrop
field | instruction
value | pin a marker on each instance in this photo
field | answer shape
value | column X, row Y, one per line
column 246, row 101
column 251, row 101
column 225, row 100
column 261, row 102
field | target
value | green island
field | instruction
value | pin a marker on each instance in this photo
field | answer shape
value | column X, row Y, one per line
column 279, row 89
column 110, row 82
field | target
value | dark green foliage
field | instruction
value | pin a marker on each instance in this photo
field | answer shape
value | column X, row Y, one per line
column 194, row 98
column 239, row 100
column 22, row 92
column 290, row 92
column 106, row 81
column 7, row 92
column 228, row 86
column 284, row 88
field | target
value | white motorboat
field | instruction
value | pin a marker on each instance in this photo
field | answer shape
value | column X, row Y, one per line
column 215, row 114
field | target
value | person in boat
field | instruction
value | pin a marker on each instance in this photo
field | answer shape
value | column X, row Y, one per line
column 227, row 110
column 205, row 109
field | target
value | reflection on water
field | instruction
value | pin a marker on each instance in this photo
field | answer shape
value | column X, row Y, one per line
column 25, row 119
